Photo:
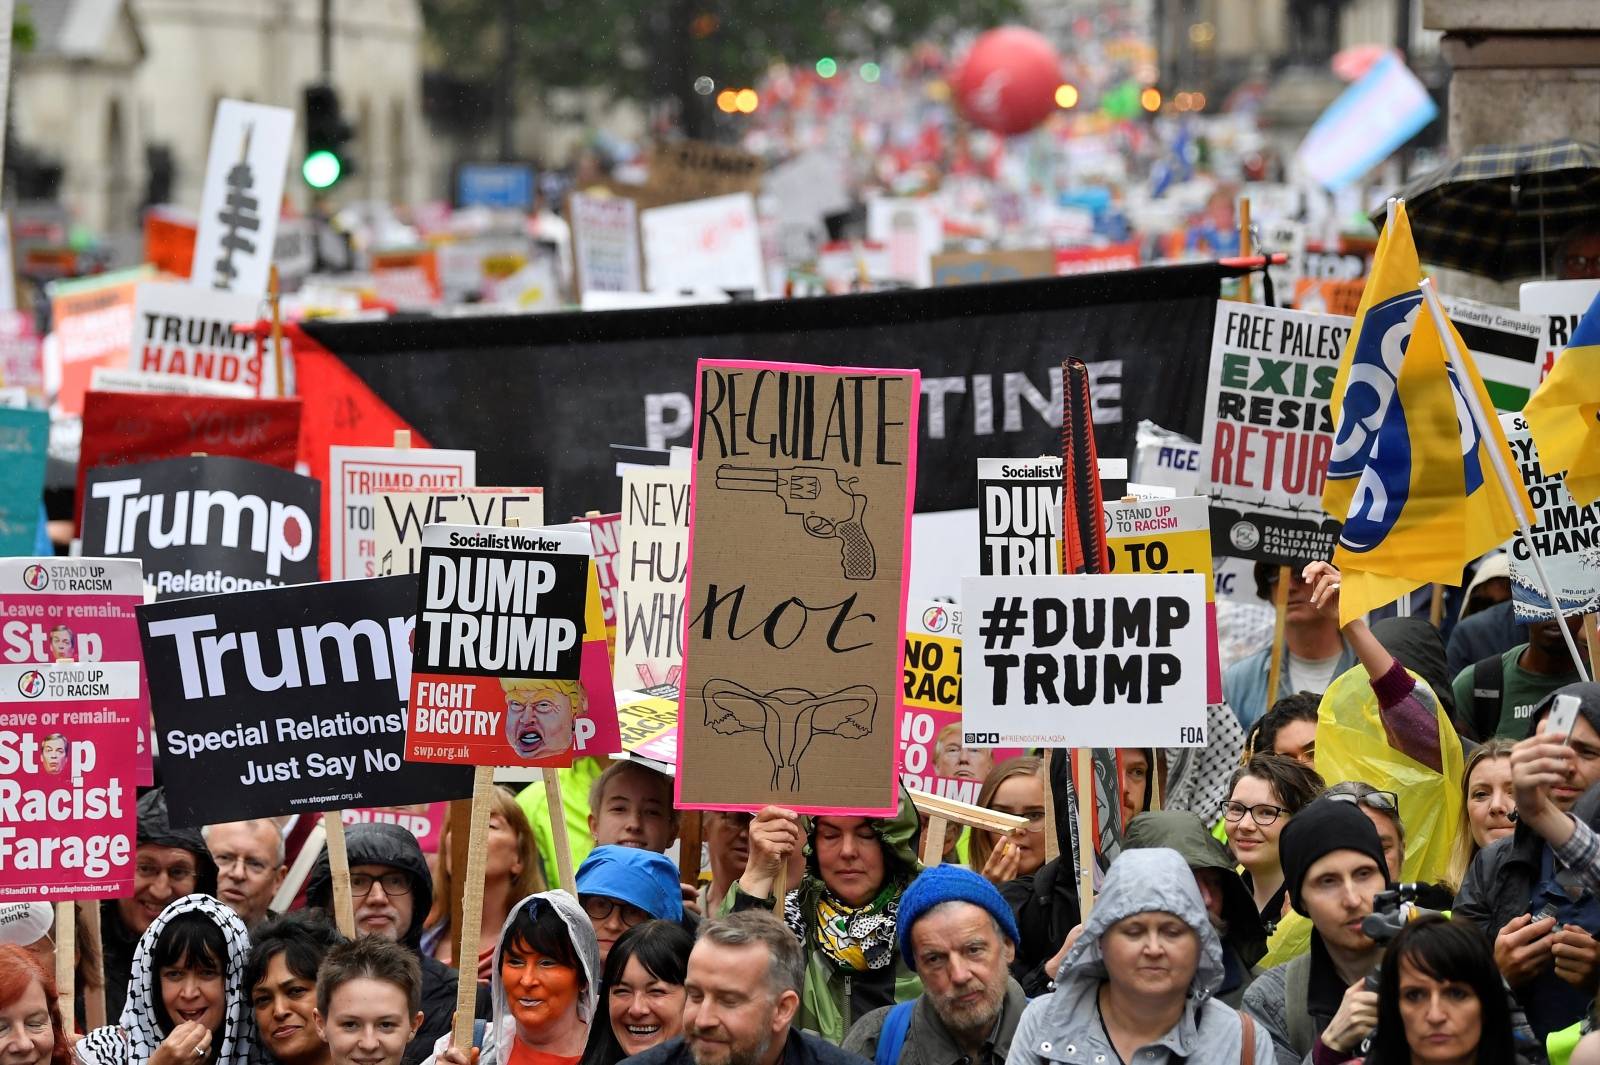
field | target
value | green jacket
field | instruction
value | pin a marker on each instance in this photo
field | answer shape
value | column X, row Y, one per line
column 825, row 1006
column 575, row 785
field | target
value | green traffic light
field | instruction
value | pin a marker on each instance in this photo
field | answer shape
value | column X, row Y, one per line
column 321, row 169
column 826, row 67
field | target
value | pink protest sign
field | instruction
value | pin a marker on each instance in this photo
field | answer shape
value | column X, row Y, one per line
column 67, row 799
column 799, row 549
column 77, row 610
column 424, row 820
column 605, row 530
column 932, row 755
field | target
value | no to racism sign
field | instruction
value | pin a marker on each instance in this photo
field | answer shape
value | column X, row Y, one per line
column 933, row 755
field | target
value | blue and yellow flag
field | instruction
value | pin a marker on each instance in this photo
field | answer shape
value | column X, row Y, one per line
column 1413, row 465
column 1564, row 413
column 1389, row 305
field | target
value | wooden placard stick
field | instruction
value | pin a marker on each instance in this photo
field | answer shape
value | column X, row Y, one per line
column 689, row 836
column 310, row 851
column 274, row 297
column 954, row 812
column 558, row 830
column 66, row 955
column 1591, row 636
column 1155, row 781
column 460, row 842
column 780, row 888
column 1280, row 608
column 942, row 813
column 933, row 841
column 472, row 907
column 1436, row 606
column 402, row 439
column 344, row 910
column 1083, row 782
column 1246, row 247
column 94, row 995
column 1052, row 849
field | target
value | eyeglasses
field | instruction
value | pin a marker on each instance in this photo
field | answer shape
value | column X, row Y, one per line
column 1385, row 802
column 176, row 874
column 600, row 907
column 1262, row 814
column 393, row 884
column 253, row 866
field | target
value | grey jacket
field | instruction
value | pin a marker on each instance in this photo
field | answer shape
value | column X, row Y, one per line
column 928, row 1041
column 1266, row 1000
column 501, row 1033
column 1065, row 1027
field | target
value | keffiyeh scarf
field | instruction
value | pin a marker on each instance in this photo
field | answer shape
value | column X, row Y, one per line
column 136, row 1037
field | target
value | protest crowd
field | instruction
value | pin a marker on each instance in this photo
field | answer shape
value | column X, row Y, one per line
column 998, row 603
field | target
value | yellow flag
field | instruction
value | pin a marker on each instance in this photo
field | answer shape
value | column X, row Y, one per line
column 1564, row 413
column 1389, row 304
column 1428, row 499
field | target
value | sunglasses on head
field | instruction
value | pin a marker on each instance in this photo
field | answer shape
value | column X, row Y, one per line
column 1385, row 802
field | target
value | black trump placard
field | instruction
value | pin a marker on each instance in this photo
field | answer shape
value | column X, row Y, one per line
column 286, row 701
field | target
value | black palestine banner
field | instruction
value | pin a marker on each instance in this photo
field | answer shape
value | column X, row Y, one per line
column 990, row 357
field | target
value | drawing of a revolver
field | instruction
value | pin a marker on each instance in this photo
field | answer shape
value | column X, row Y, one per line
column 829, row 508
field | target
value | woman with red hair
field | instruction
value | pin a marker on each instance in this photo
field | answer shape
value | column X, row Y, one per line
column 30, row 1019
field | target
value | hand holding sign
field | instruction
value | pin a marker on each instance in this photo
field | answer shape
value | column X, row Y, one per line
column 775, row 834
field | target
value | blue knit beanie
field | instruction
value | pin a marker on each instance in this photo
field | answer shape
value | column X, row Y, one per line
column 949, row 883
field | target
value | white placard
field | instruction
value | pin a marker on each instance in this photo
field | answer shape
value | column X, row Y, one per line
column 605, row 244
column 181, row 331
column 652, row 560
column 703, row 244
column 1566, row 535
column 245, row 168
column 1560, row 304
column 1084, row 661
column 357, row 474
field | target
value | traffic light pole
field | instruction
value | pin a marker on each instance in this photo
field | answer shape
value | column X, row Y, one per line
column 325, row 32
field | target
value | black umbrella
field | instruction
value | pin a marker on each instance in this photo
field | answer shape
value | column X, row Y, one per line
column 1496, row 210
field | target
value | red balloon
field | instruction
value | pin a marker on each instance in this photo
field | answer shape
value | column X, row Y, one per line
column 1007, row 82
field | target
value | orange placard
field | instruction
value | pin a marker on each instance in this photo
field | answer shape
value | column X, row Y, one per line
column 169, row 244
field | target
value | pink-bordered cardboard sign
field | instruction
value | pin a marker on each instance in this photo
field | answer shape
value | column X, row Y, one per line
column 804, row 479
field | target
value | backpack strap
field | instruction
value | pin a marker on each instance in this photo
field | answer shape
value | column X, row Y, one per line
column 1247, row 1039
column 1302, row 1029
column 1488, row 685
column 892, row 1037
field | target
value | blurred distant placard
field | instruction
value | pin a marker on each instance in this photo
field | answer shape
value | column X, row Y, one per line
column 705, row 244
column 605, row 243
column 695, row 170
column 508, row 186
column 966, row 268
column 242, row 198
